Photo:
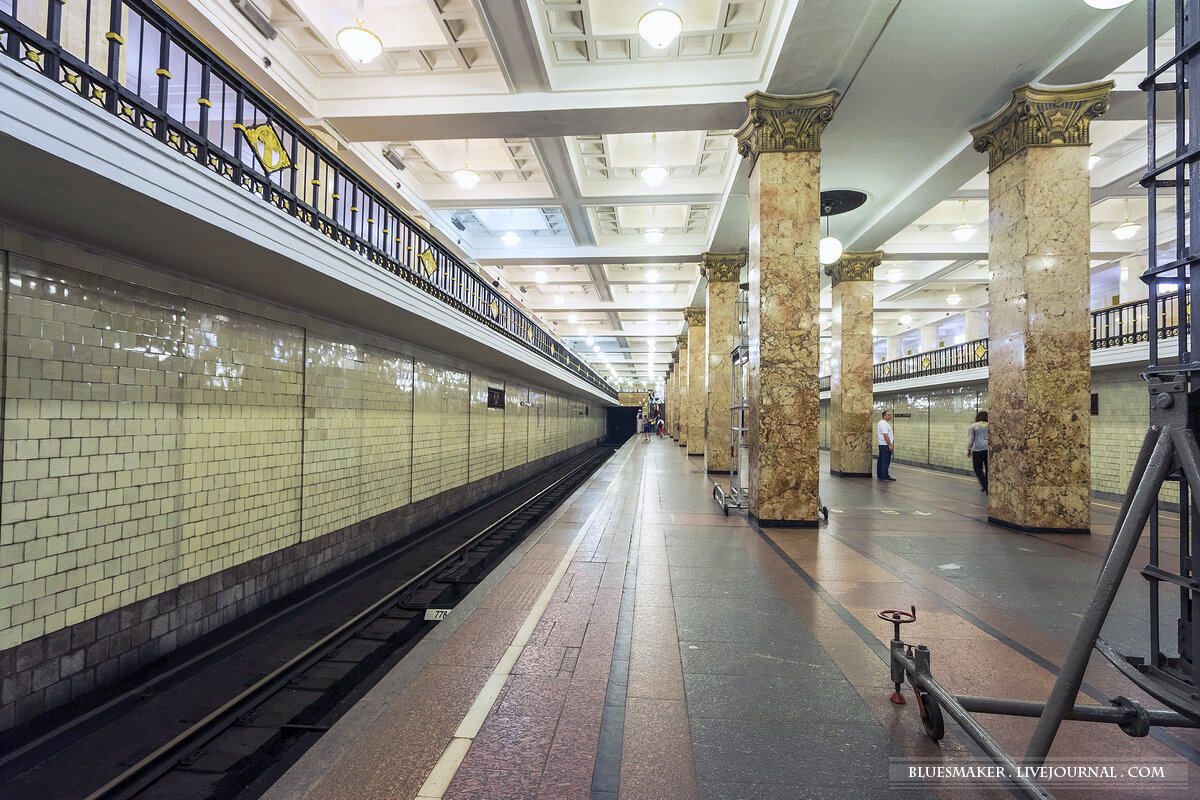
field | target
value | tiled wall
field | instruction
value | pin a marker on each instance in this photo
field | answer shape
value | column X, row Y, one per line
column 174, row 456
column 931, row 426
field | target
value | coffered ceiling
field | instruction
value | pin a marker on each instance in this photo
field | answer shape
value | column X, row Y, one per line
column 564, row 104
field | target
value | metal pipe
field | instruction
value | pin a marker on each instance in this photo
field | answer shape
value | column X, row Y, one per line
column 1111, row 714
column 1070, row 676
column 973, row 729
column 1139, row 466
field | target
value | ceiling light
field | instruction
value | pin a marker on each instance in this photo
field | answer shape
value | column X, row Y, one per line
column 572, row 319
column 582, row 331
column 894, row 275
column 829, row 250
column 653, row 235
column 357, row 42
column 511, row 239
column 905, row 319
column 652, row 275
column 559, row 300
column 964, row 231
column 596, row 348
column 954, row 298
column 466, row 177
column 1093, row 160
column 540, row 277
column 654, row 175
column 591, row 340
column 1126, row 230
column 1105, row 5
column 659, row 27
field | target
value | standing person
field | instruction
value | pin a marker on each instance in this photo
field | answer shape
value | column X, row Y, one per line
column 645, row 428
column 662, row 427
column 977, row 448
column 886, row 448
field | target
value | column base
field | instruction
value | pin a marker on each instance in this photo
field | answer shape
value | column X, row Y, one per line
column 696, row 455
column 841, row 474
column 1034, row 529
column 785, row 523
column 718, row 472
column 683, row 444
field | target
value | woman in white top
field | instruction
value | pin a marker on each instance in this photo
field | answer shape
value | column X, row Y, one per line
column 977, row 448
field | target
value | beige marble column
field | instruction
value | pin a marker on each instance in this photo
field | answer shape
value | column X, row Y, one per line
column 975, row 322
column 1039, row 375
column 697, row 402
column 722, row 271
column 782, row 139
column 851, row 386
column 681, row 430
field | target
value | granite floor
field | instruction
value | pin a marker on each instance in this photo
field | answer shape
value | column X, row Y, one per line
column 643, row 645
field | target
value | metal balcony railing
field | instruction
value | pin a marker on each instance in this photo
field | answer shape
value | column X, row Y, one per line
column 1127, row 323
column 139, row 64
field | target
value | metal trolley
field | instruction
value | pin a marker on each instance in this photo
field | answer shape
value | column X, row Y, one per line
column 1170, row 455
column 739, row 407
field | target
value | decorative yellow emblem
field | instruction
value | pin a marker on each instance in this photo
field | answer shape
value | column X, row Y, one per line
column 495, row 308
column 267, row 147
column 980, row 350
column 428, row 260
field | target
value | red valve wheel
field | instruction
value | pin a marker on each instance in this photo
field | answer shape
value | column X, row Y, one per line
column 895, row 616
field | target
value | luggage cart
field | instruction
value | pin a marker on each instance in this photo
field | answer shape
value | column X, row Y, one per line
column 739, row 450
column 1169, row 455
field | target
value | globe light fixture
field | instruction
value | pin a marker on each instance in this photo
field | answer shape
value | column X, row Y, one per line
column 466, row 178
column 358, row 43
column 954, row 298
column 905, row 319
column 829, row 250
column 540, row 277
column 596, row 348
column 965, row 231
column 572, row 319
column 1105, row 5
column 654, row 175
column 653, row 235
column 511, row 239
column 660, row 27
column 1093, row 160
column 894, row 275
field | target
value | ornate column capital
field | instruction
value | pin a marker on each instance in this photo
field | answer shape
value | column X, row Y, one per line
column 855, row 267
column 781, row 124
column 694, row 316
column 722, row 267
column 681, row 340
column 1042, row 116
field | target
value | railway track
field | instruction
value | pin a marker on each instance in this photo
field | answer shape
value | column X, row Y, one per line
column 234, row 749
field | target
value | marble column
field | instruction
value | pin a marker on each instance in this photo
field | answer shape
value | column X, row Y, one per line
column 722, row 271
column 1039, row 380
column 681, row 430
column 697, row 403
column 895, row 348
column 669, row 396
column 975, row 322
column 851, row 386
column 1132, row 286
column 782, row 139
column 929, row 337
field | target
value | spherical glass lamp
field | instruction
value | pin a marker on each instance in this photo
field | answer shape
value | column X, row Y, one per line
column 829, row 250
column 654, row 235
column 466, row 178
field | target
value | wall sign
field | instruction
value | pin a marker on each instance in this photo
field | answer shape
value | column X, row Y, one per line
column 495, row 398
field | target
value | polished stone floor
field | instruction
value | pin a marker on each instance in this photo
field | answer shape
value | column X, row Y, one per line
column 643, row 645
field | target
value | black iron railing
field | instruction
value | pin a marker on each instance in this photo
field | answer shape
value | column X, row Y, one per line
column 1127, row 323
column 135, row 61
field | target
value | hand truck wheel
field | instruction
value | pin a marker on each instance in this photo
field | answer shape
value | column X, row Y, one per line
column 931, row 716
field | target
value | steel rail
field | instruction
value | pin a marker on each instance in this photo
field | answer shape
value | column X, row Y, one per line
column 165, row 758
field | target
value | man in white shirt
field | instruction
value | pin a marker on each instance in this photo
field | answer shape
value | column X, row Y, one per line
column 886, row 448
